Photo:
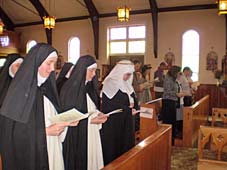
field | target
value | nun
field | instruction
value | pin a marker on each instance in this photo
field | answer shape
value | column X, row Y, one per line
column 64, row 75
column 12, row 63
column 118, row 93
column 82, row 147
column 28, row 140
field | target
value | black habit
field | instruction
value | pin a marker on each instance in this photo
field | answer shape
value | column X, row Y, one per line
column 117, row 132
column 73, row 95
column 22, row 124
column 5, row 78
column 61, row 77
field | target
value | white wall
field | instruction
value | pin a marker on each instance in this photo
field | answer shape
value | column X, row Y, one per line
column 171, row 26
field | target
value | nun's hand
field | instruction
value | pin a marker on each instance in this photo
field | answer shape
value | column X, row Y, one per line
column 56, row 129
column 75, row 123
column 101, row 118
column 134, row 112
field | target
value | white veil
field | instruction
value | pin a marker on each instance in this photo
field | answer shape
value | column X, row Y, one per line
column 114, row 81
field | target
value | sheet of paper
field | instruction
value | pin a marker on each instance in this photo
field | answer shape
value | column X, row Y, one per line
column 69, row 116
column 153, row 101
column 115, row 111
column 146, row 112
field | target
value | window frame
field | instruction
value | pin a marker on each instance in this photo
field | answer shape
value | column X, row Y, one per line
column 69, row 53
column 127, row 40
column 196, row 73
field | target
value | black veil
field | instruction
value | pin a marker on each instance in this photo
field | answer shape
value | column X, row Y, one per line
column 73, row 92
column 24, row 85
column 61, row 77
column 5, row 78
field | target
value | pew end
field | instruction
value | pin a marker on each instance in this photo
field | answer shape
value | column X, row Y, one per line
column 208, row 136
column 193, row 117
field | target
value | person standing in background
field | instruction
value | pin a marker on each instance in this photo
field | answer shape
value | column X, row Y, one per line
column 186, row 86
column 159, row 80
column 145, row 95
column 136, row 76
column 170, row 97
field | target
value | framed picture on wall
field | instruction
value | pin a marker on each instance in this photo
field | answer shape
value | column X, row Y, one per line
column 115, row 59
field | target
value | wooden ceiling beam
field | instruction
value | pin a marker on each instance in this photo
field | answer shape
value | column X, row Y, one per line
column 42, row 12
column 134, row 12
column 94, row 16
column 9, row 25
column 154, row 10
column 189, row 8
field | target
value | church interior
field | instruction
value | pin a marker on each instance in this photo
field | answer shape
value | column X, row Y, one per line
column 184, row 33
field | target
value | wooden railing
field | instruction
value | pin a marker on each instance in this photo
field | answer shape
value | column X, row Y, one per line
column 153, row 153
column 193, row 117
column 211, row 136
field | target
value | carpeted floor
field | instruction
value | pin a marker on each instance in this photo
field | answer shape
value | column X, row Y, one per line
column 186, row 158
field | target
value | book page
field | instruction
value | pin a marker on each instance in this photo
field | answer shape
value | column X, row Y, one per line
column 69, row 116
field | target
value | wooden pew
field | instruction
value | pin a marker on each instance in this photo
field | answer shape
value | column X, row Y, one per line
column 148, row 125
column 153, row 153
column 211, row 136
column 193, row 117
column 219, row 115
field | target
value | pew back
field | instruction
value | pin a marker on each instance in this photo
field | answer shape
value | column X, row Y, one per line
column 193, row 117
column 219, row 114
column 145, row 155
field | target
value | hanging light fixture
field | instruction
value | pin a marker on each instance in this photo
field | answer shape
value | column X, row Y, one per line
column 123, row 13
column 1, row 27
column 222, row 7
column 49, row 22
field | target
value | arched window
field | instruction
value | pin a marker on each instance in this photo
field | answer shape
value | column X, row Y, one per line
column 73, row 50
column 30, row 44
column 190, row 52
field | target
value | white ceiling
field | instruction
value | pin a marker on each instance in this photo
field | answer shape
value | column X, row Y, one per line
column 73, row 8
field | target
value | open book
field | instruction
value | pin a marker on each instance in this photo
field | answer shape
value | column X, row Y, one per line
column 73, row 115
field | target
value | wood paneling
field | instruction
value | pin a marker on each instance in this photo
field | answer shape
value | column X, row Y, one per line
column 153, row 153
column 218, row 95
column 193, row 117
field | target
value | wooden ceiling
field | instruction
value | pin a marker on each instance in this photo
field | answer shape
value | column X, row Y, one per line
column 15, row 13
column 18, row 13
